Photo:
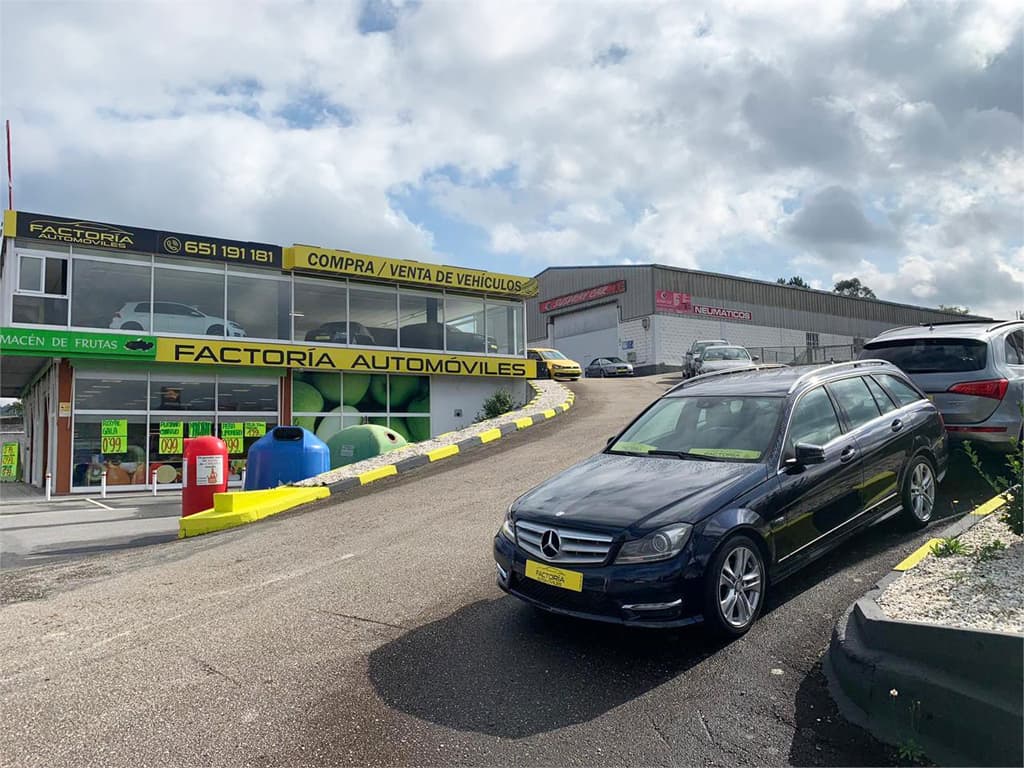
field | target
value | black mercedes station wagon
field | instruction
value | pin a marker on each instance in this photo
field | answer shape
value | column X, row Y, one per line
column 720, row 488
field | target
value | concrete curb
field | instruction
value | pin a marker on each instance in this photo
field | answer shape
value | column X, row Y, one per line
column 463, row 446
column 236, row 508
column 958, row 691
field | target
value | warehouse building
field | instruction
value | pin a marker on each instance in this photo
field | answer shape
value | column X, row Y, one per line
column 121, row 342
column 649, row 315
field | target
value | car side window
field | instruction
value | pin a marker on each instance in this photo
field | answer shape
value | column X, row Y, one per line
column 1015, row 348
column 814, row 421
column 882, row 400
column 855, row 399
column 903, row 393
column 533, row 355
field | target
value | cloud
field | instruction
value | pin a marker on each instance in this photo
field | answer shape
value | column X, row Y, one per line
column 553, row 133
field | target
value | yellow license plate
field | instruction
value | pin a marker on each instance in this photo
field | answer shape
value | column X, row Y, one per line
column 556, row 577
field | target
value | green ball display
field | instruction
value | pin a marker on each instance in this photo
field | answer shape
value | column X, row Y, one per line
column 306, row 397
column 355, row 388
column 379, row 390
column 328, row 385
column 397, row 425
column 306, row 422
column 331, row 425
column 360, row 442
column 418, row 428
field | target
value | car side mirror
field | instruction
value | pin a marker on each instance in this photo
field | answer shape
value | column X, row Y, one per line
column 807, row 454
column 755, row 358
column 609, row 441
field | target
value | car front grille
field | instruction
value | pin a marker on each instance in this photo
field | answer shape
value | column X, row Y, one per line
column 575, row 547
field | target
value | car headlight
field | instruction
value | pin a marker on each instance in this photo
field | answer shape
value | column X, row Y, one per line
column 660, row 545
column 507, row 530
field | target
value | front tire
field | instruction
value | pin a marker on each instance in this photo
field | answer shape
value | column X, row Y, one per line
column 215, row 330
column 735, row 587
column 918, row 493
column 132, row 326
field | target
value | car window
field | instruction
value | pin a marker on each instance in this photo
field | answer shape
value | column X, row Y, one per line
column 614, row 359
column 167, row 308
column 931, row 355
column 142, row 307
column 814, row 421
column 533, row 355
column 855, row 399
column 731, row 428
column 553, row 354
column 903, row 393
column 882, row 400
column 1015, row 348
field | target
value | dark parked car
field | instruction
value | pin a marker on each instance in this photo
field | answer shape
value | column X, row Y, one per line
column 438, row 336
column 608, row 366
column 336, row 333
column 719, row 489
column 973, row 372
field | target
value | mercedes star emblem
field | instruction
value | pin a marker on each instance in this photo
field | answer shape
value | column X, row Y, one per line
column 550, row 544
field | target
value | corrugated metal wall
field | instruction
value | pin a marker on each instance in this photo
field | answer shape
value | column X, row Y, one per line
column 771, row 305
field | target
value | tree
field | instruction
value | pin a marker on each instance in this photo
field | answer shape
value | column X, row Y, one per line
column 796, row 281
column 853, row 287
column 13, row 409
column 955, row 309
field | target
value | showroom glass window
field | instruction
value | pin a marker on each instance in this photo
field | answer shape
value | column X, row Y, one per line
column 40, row 295
column 421, row 319
column 111, row 290
column 326, row 402
column 189, row 300
column 259, row 304
column 464, row 325
column 505, row 327
column 162, row 409
column 321, row 311
column 373, row 311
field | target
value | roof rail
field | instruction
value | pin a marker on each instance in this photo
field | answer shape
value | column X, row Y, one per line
column 1003, row 323
column 745, row 369
column 834, row 368
column 954, row 322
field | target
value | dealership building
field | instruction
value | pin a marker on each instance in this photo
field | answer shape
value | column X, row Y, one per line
column 649, row 315
column 121, row 342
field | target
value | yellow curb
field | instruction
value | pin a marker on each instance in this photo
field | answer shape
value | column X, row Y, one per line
column 442, row 453
column 240, row 507
column 377, row 474
column 917, row 555
column 550, row 413
column 990, row 506
column 489, row 435
column 524, row 422
column 564, row 407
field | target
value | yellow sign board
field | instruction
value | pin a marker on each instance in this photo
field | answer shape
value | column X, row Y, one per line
column 244, row 353
column 308, row 258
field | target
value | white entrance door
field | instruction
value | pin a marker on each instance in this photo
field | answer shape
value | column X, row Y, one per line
column 588, row 333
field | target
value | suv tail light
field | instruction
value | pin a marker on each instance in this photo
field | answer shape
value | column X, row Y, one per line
column 995, row 388
column 117, row 315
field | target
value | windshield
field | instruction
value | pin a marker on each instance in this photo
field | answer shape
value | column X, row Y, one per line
column 704, row 345
column 726, row 353
column 728, row 428
column 931, row 355
column 552, row 354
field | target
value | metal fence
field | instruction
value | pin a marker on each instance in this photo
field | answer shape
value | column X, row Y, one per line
column 805, row 355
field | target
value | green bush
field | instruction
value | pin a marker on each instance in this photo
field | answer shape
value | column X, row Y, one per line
column 1008, row 486
column 498, row 403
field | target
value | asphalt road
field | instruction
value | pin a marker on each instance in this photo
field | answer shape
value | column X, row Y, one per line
column 368, row 630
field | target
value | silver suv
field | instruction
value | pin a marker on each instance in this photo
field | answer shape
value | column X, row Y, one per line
column 691, row 362
column 973, row 372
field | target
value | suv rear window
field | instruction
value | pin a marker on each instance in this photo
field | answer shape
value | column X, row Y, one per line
column 931, row 355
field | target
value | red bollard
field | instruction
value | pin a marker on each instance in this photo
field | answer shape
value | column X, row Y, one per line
column 205, row 472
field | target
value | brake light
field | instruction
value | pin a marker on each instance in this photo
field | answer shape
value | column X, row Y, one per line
column 995, row 388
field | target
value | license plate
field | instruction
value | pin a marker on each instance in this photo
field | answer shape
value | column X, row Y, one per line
column 555, row 577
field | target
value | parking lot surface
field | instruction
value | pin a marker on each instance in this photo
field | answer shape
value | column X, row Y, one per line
column 367, row 629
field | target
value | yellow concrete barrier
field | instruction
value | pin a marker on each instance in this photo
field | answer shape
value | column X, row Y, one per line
column 489, row 435
column 524, row 422
column 442, row 453
column 378, row 474
column 241, row 507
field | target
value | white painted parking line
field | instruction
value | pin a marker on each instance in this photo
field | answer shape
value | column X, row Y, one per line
column 98, row 504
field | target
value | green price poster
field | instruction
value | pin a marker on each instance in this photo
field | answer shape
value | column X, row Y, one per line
column 200, row 428
column 114, row 428
column 234, row 444
column 232, row 429
column 172, row 434
column 255, row 428
column 9, row 466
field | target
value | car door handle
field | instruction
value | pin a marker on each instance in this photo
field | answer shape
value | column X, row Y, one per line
column 848, row 454
column 897, row 425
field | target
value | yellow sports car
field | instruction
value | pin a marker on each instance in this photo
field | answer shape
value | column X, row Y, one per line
column 554, row 365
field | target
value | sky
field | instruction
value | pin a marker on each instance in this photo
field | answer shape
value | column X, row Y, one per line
column 872, row 138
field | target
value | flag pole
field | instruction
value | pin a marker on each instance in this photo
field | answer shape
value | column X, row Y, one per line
column 10, row 173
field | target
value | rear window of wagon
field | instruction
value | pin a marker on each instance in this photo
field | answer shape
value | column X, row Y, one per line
column 931, row 355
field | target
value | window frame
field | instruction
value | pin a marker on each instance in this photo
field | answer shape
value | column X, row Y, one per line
column 844, row 414
column 843, row 431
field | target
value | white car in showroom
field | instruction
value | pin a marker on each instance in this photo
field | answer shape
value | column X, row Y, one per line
column 172, row 317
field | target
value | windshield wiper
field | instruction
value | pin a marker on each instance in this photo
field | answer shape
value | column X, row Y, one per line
column 627, row 453
column 686, row 455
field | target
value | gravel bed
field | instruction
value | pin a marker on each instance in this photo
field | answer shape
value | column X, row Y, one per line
column 965, row 590
column 551, row 394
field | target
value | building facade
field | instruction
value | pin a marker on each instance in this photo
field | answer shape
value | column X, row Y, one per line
column 650, row 315
column 121, row 342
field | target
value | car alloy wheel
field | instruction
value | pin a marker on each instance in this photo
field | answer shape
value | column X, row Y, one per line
column 740, row 586
column 922, row 491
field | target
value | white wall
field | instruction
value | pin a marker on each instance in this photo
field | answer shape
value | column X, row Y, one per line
column 643, row 341
column 675, row 334
column 466, row 393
